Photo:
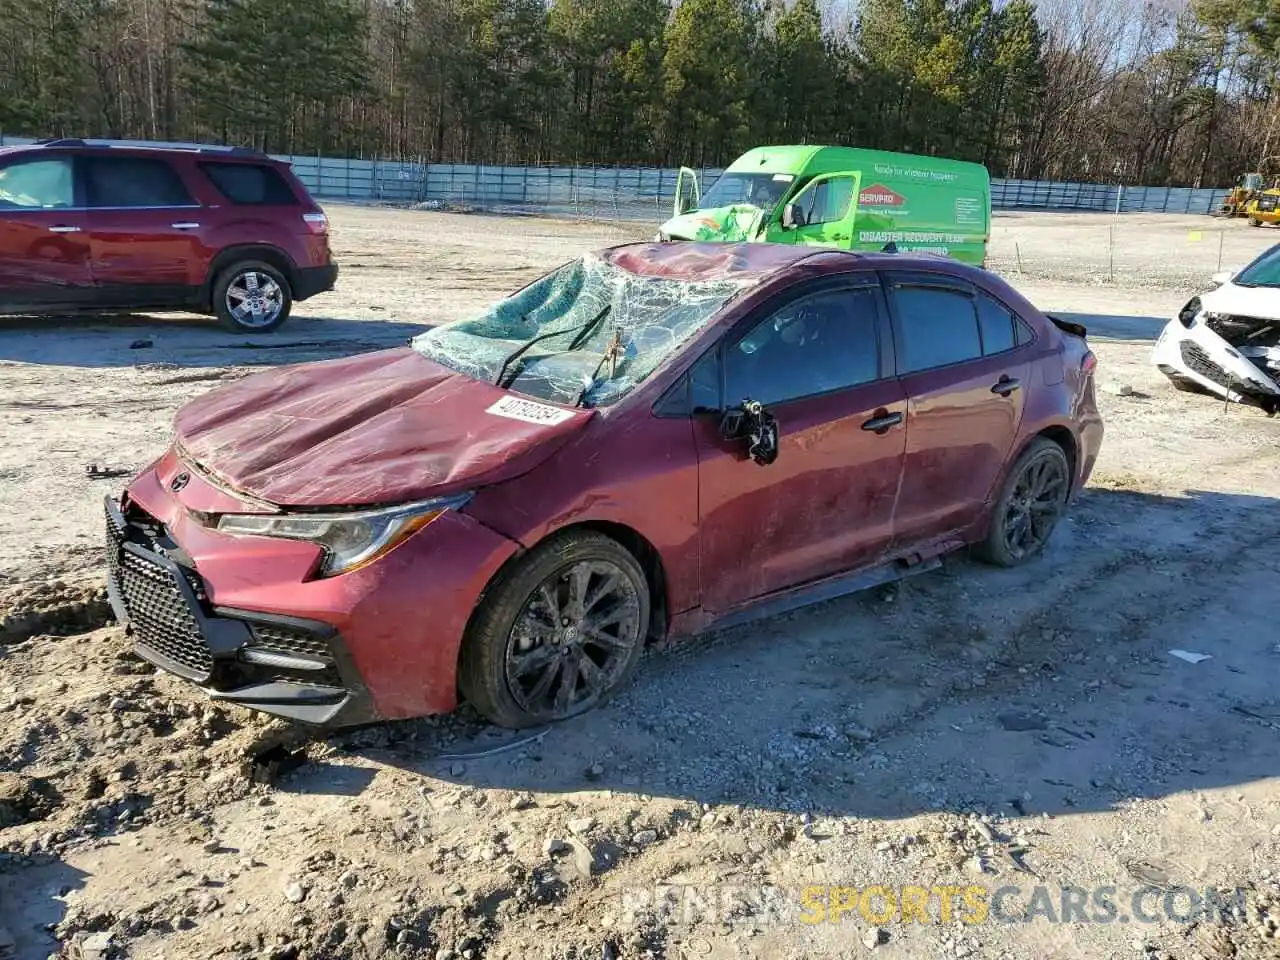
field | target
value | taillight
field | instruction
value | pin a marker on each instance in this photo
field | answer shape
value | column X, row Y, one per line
column 317, row 223
column 1088, row 364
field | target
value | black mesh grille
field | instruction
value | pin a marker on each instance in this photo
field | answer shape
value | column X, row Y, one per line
column 1195, row 358
column 115, row 537
column 161, row 617
column 285, row 640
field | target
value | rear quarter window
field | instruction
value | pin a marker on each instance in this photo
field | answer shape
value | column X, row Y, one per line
column 250, row 184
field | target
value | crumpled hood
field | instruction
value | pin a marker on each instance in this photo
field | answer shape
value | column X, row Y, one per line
column 378, row 428
column 1260, row 302
column 723, row 224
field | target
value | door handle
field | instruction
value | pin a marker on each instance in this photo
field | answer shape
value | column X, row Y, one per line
column 882, row 421
column 185, row 225
column 1005, row 386
column 62, row 228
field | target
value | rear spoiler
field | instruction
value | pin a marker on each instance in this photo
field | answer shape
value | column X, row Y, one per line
column 1066, row 326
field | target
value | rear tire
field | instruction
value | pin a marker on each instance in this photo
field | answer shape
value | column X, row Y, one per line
column 1030, row 504
column 248, row 284
column 558, row 633
column 1255, row 222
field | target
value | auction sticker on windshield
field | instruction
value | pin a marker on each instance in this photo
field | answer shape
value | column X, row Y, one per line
column 515, row 408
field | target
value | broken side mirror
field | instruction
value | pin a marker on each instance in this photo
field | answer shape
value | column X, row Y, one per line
column 753, row 423
column 792, row 217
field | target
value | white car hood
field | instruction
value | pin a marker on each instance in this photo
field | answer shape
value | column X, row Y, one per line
column 1260, row 302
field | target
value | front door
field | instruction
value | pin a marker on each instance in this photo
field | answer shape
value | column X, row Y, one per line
column 825, row 505
column 824, row 213
column 44, row 244
column 144, row 232
column 963, row 360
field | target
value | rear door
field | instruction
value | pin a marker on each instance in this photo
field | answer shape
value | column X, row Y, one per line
column 963, row 362
column 144, row 231
column 819, row 363
column 44, row 248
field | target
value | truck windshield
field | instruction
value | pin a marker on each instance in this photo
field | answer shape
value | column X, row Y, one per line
column 648, row 320
column 762, row 190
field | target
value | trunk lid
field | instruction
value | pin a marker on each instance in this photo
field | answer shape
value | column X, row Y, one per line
column 379, row 428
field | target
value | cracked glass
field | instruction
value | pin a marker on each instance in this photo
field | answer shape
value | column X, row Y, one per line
column 588, row 356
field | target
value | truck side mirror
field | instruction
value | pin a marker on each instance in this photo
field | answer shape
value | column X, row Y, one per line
column 792, row 217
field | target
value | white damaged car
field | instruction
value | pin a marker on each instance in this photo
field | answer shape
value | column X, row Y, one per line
column 1227, row 341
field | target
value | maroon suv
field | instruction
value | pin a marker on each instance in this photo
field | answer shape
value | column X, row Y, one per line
column 102, row 225
column 645, row 442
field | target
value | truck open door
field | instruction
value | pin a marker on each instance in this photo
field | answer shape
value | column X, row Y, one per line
column 688, row 193
column 823, row 214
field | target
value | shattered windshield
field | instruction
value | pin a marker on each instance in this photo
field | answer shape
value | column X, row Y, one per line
column 762, row 190
column 585, row 354
column 1263, row 272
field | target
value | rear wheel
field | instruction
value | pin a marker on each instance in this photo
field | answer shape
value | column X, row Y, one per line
column 1030, row 505
column 556, row 635
column 252, row 297
column 1255, row 222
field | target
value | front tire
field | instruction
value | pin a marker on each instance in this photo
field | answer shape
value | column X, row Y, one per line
column 558, row 633
column 1030, row 505
column 252, row 297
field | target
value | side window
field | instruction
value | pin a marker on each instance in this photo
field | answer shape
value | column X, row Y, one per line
column 250, row 184
column 812, row 345
column 827, row 202
column 1021, row 332
column 939, row 327
column 997, row 326
column 37, row 185
column 133, row 182
column 704, row 383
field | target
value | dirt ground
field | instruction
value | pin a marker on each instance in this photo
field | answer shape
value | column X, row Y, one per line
column 1024, row 737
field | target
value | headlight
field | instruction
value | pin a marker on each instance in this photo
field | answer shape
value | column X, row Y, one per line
column 350, row 540
column 1188, row 313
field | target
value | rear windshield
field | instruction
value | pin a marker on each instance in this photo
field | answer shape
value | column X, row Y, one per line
column 609, row 330
column 250, row 184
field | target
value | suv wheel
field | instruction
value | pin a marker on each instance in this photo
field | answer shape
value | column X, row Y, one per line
column 556, row 634
column 252, row 297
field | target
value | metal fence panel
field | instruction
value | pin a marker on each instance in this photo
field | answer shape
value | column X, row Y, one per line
column 646, row 193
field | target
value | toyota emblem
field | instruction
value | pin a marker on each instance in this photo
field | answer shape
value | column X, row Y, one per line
column 178, row 482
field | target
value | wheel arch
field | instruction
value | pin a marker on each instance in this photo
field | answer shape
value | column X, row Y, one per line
column 1065, row 439
column 630, row 539
column 264, row 252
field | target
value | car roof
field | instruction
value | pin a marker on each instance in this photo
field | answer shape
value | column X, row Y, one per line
column 140, row 147
column 695, row 261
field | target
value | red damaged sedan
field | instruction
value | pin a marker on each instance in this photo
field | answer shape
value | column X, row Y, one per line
column 649, row 441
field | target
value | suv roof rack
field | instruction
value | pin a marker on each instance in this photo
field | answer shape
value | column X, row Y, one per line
column 151, row 145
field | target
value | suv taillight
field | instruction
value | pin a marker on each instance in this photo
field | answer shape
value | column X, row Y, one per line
column 1089, row 364
column 317, row 223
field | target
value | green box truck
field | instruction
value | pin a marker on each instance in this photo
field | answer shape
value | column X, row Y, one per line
column 840, row 197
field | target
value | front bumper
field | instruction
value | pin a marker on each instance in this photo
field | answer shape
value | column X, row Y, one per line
column 1197, row 355
column 313, row 280
column 287, row 666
